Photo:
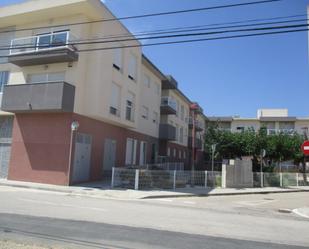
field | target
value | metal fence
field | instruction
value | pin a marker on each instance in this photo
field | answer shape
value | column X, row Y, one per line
column 174, row 179
column 163, row 179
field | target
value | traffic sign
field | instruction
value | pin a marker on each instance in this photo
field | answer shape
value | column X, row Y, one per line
column 305, row 148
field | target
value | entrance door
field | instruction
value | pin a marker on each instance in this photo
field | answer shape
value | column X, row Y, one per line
column 109, row 160
column 6, row 124
column 82, row 155
column 142, row 153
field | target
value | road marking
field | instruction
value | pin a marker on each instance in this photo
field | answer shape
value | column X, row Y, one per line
column 298, row 212
column 165, row 200
column 62, row 205
column 190, row 202
column 255, row 203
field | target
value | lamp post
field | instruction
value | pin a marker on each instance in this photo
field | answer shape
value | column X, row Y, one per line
column 74, row 128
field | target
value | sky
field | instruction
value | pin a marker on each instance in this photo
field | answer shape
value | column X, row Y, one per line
column 228, row 77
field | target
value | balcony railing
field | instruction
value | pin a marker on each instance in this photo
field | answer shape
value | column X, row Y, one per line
column 38, row 97
column 41, row 42
column 199, row 126
column 167, row 132
column 47, row 48
column 168, row 105
column 280, row 131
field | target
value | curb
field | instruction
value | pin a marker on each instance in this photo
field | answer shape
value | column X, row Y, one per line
column 83, row 192
column 38, row 188
column 224, row 194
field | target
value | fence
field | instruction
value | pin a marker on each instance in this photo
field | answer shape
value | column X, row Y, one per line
column 171, row 179
column 164, row 179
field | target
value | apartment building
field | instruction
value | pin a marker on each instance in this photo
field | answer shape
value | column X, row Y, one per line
column 69, row 114
column 274, row 120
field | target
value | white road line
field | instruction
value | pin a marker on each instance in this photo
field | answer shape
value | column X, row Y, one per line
column 255, row 203
column 165, row 200
column 298, row 212
column 62, row 205
column 189, row 202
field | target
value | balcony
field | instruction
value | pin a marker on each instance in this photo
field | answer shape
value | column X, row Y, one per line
column 280, row 131
column 198, row 124
column 169, row 83
column 196, row 108
column 168, row 106
column 167, row 132
column 197, row 143
column 42, row 49
column 38, row 97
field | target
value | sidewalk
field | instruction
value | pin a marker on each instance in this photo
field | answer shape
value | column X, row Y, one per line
column 102, row 190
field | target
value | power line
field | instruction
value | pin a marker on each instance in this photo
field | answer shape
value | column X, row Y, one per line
column 147, row 15
column 175, row 31
column 174, row 36
column 188, row 41
column 196, row 40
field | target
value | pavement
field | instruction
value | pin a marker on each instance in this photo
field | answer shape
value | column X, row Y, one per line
column 103, row 190
column 61, row 220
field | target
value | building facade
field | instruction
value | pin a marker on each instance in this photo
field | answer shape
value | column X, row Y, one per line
column 274, row 120
column 123, row 109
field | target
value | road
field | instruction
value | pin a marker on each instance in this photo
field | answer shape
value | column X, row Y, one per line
column 66, row 221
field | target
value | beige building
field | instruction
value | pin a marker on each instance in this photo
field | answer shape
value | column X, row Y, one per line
column 275, row 120
column 78, row 111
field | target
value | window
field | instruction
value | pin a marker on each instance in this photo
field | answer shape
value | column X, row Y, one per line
column 146, row 80
column 155, row 117
column 182, row 112
column 168, row 151
column 115, row 100
column 157, row 88
column 132, row 67
column 179, row 154
column 145, row 112
column 181, row 135
column 46, row 77
column 131, row 151
column 177, row 132
column 177, row 108
column 117, row 63
column 130, row 107
column 4, row 78
column 184, row 155
column 175, row 152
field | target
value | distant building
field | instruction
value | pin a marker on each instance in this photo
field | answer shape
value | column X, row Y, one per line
column 275, row 120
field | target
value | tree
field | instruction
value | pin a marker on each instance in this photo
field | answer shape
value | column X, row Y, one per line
column 279, row 147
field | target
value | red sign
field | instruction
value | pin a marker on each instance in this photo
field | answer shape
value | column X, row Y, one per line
column 305, row 148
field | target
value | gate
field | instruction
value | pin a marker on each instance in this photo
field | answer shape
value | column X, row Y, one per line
column 6, row 125
column 239, row 174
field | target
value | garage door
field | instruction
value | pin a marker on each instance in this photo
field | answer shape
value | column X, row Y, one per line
column 82, row 155
column 6, row 124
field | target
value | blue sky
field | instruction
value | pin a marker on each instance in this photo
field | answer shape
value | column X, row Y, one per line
column 229, row 77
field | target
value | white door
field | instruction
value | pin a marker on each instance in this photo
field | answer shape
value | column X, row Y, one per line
column 109, row 160
column 142, row 153
column 82, row 155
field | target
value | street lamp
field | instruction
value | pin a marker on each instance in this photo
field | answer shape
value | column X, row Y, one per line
column 74, row 128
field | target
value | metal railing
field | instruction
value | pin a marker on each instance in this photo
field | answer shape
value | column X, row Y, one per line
column 175, row 179
column 168, row 101
column 280, row 131
column 41, row 42
column 164, row 179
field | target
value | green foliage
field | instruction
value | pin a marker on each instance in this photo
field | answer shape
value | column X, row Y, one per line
column 279, row 147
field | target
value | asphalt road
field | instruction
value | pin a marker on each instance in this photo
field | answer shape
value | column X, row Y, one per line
column 57, row 219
